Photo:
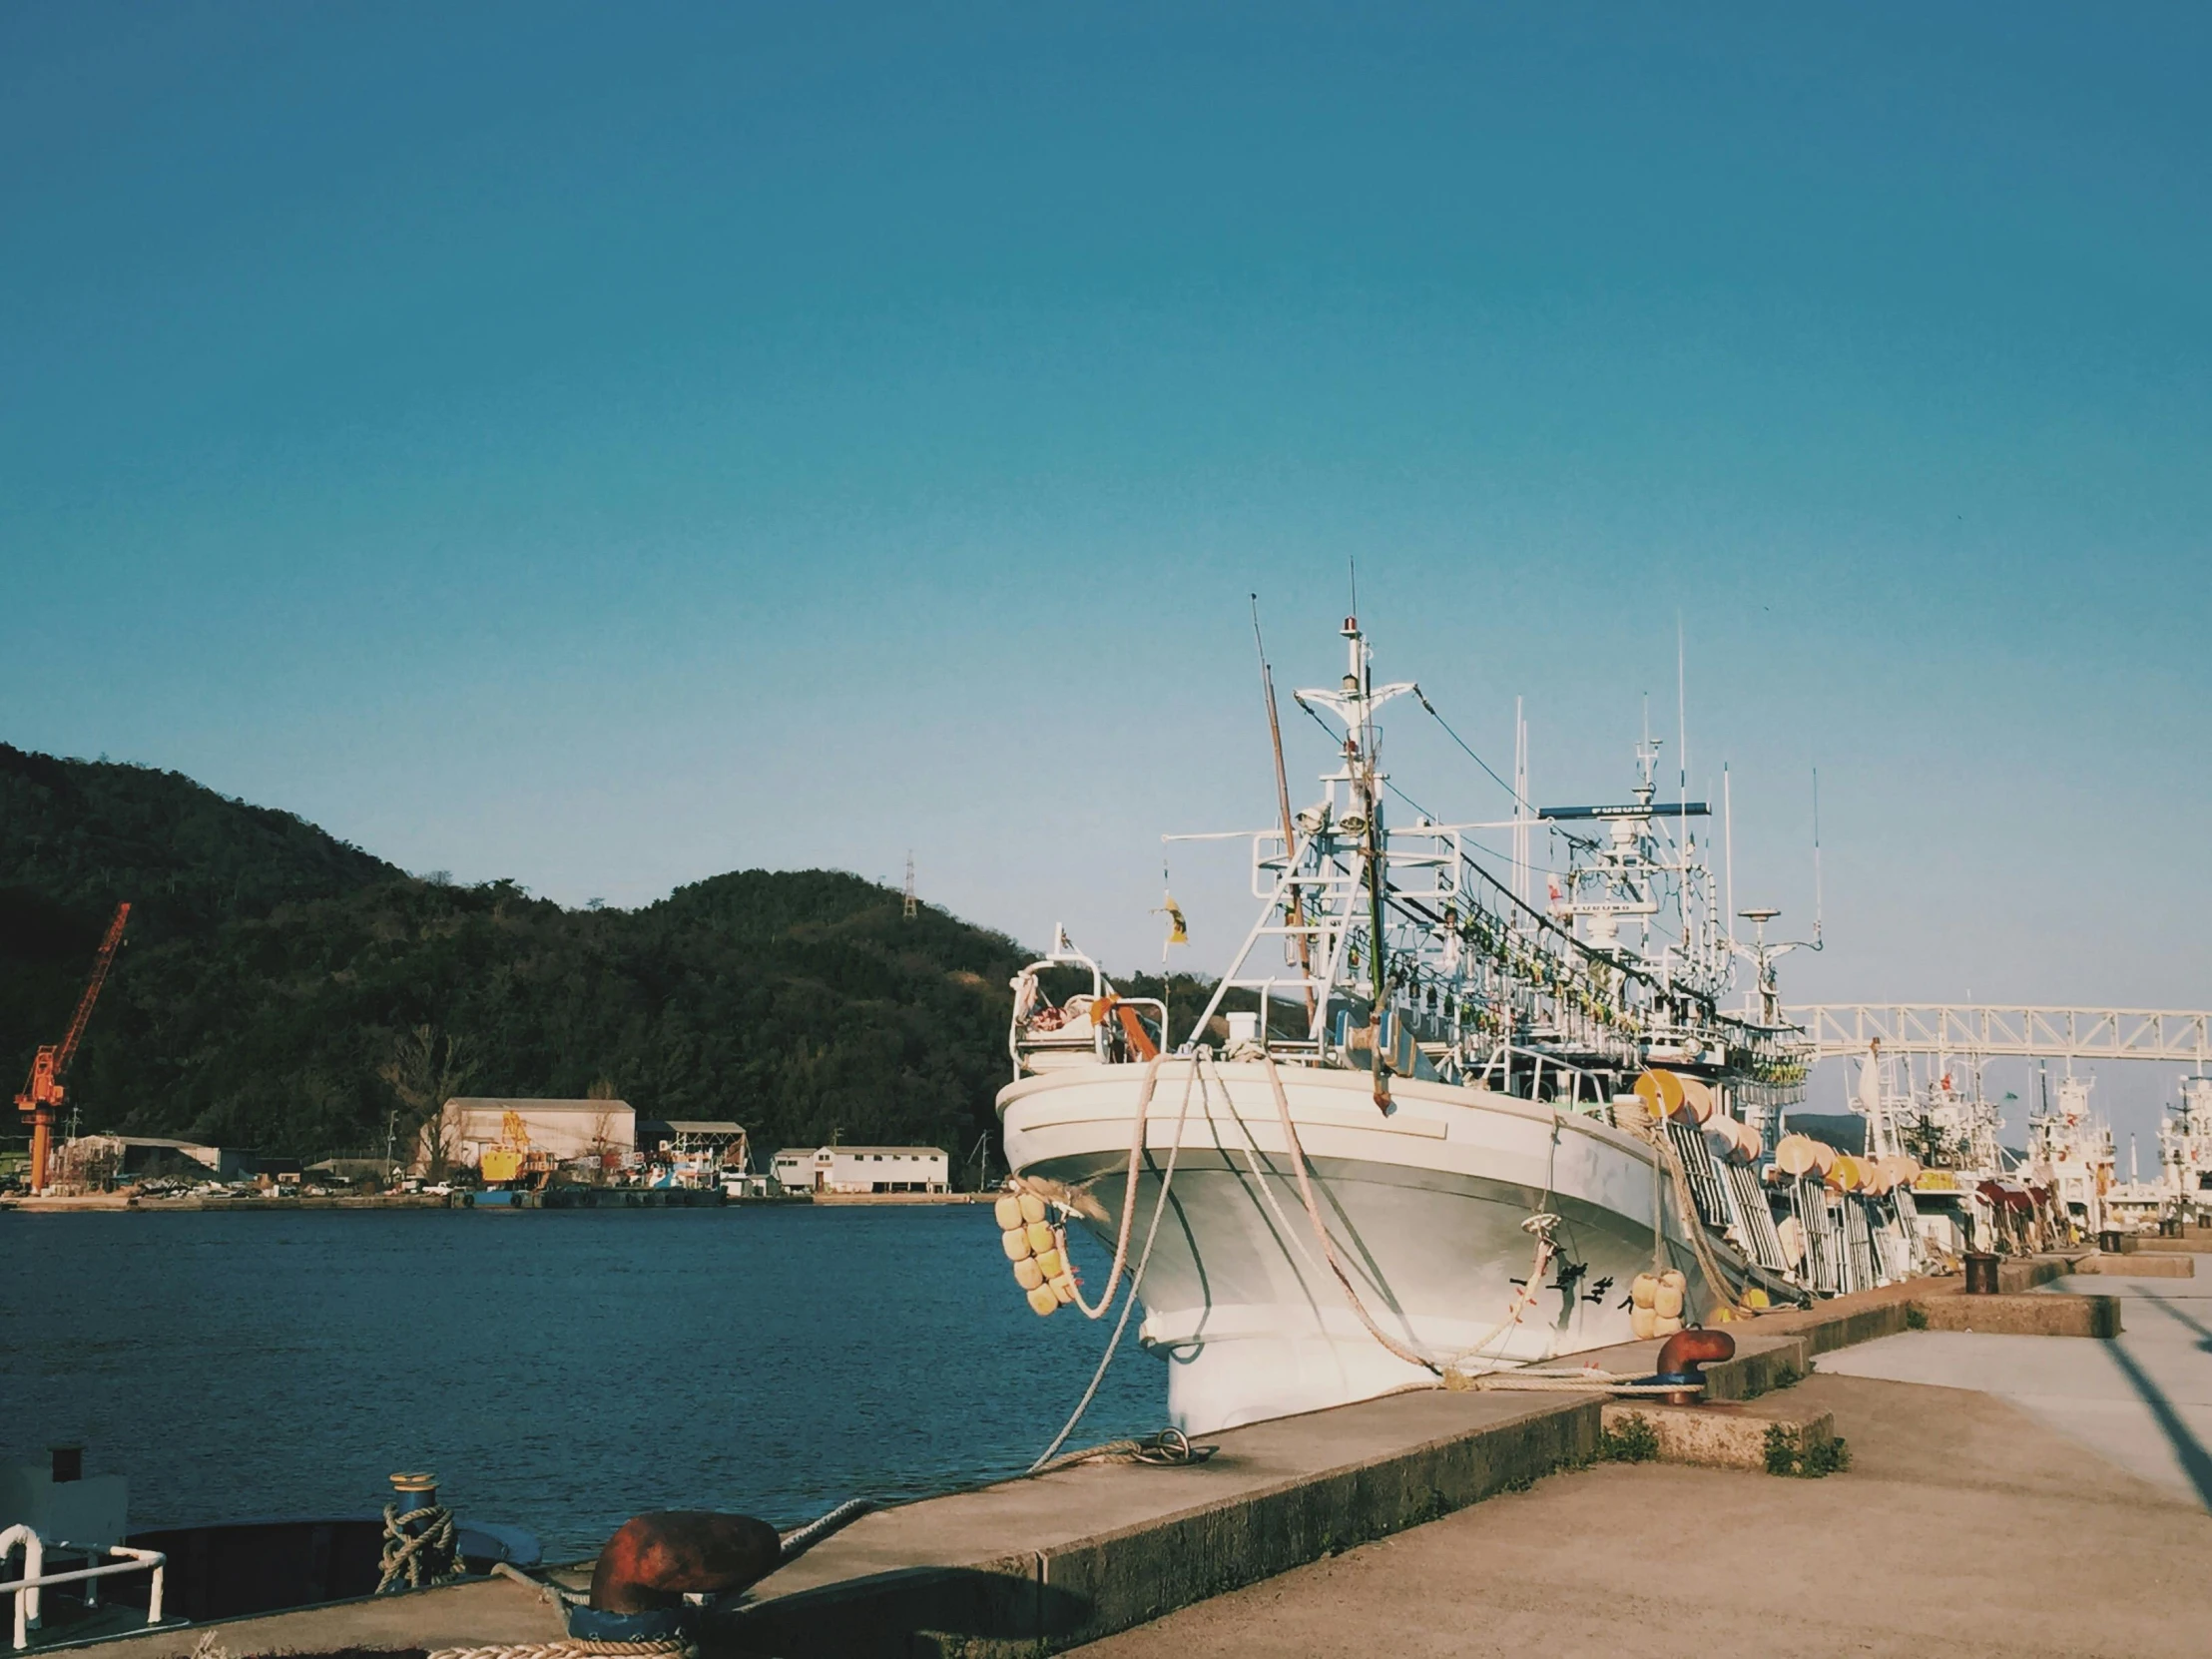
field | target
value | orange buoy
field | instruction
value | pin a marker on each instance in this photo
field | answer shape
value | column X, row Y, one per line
column 1795, row 1155
column 1697, row 1099
column 1791, row 1233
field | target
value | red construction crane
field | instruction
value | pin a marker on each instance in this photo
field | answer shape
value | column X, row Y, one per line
column 44, row 1091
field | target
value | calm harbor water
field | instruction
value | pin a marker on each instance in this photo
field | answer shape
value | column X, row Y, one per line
column 558, row 1369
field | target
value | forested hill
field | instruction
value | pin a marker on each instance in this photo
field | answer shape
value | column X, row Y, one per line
column 281, row 990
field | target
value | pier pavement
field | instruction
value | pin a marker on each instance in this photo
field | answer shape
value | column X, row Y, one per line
column 2008, row 1495
column 2142, row 1399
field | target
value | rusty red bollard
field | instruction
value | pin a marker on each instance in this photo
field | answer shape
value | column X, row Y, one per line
column 653, row 1561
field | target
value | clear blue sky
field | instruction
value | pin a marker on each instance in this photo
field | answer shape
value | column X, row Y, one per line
column 608, row 445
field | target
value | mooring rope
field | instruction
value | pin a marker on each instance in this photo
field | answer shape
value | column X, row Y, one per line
column 1693, row 1225
column 1128, row 1194
column 1144, row 1260
column 801, row 1539
column 1411, row 1357
column 1539, row 1226
column 1170, row 1449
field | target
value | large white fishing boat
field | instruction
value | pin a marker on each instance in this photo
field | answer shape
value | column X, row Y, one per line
column 2181, row 1190
column 2185, row 1149
column 1966, row 1193
column 1425, row 1126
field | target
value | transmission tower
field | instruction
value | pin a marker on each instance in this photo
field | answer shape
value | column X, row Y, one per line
column 910, row 906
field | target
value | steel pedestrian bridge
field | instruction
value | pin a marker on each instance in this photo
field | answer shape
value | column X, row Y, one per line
column 1850, row 1028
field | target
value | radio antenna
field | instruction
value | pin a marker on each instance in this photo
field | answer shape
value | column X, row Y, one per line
column 1728, row 853
column 1297, row 910
column 1815, row 858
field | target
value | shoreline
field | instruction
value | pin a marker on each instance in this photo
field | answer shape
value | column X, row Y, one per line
column 567, row 1198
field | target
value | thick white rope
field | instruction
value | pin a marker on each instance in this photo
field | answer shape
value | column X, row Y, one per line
column 1411, row 1357
column 1144, row 1259
column 1517, row 1309
column 1128, row 1196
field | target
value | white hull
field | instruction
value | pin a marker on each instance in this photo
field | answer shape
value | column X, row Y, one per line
column 1425, row 1207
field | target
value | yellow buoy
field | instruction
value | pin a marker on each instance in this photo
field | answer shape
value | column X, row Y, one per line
column 1017, row 1241
column 1027, row 1273
column 1643, row 1322
column 1675, row 1279
column 1756, row 1299
column 1644, row 1290
column 1032, row 1206
column 1664, row 1326
column 1824, row 1156
column 1661, row 1091
column 1668, row 1303
column 1008, row 1212
column 1049, row 1262
column 1063, row 1289
column 1040, row 1238
column 1042, row 1300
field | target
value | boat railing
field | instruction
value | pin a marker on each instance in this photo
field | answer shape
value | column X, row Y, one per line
column 1576, row 1087
column 36, row 1578
column 1078, row 1035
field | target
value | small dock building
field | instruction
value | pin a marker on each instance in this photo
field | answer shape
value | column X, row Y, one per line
column 861, row 1169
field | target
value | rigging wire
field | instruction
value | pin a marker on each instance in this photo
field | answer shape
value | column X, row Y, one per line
column 1511, row 901
column 1469, row 751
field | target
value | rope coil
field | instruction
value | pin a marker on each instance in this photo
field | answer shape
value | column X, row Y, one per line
column 421, row 1547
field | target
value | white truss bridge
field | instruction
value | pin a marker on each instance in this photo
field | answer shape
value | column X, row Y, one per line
column 1849, row 1028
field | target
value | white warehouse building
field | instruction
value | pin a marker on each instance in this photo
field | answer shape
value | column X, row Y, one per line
column 861, row 1169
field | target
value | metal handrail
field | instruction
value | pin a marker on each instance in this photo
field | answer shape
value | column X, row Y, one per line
column 34, row 1578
